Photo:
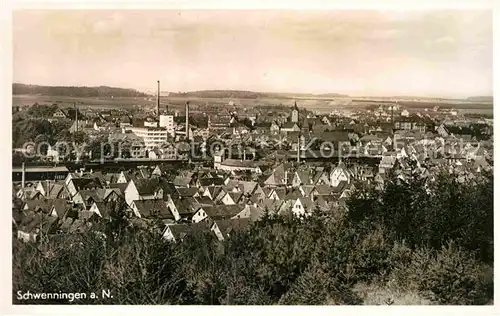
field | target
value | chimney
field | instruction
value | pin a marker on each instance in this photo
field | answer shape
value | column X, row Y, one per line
column 244, row 154
column 158, row 101
column 23, row 175
column 187, row 120
column 298, row 149
column 76, row 117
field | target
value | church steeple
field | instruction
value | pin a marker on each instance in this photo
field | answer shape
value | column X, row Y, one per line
column 295, row 113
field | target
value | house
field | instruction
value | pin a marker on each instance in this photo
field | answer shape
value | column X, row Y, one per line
column 177, row 232
column 231, row 198
column 327, row 203
column 181, row 181
column 278, row 193
column 212, row 181
column 86, row 198
column 75, row 185
column 340, row 173
column 160, row 170
column 289, row 127
column 223, row 229
column 237, row 165
column 102, row 209
column 188, row 192
column 217, row 212
column 29, row 193
column 443, row 131
column 143, row 189
column 405, row 113
column 152, row 209
column 308, row 191
column 274, row 128
column 59, row 208
column 60, row 114
column 212, row 192
column 303, row 206
column 36, row 227
column 183, row 208
column 253, row 212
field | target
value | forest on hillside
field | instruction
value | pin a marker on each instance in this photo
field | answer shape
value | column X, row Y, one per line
column 90, row 92
column 410, row 243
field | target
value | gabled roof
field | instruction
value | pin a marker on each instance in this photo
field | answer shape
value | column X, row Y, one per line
column 179, row 231
column 87, row 183
column 185, row 192
column 182, row 181
column 55, row 190
column 235, row 196
column 34, row 205
column 38, row 221
column 211, row 181
column 229, row 226
column 204, row 201
column 304, row 177
column 247, row 187
column 104, row 209
column 223, row 211
column 147, row 186
column 61, row 206
column 308, row 189
column 120, row 186
column 340, row 188
column 307, row 203
column 272, row 205
column 293, row 195
column 214, row 191
column 186, row 205
column 153, row 208
column 90, row 194
column 281, row 192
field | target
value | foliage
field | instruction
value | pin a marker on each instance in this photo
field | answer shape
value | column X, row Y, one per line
column 102, row 91
column 327, row 258
column 431, row 214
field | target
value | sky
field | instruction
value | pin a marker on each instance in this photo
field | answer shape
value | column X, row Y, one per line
column 376, row 53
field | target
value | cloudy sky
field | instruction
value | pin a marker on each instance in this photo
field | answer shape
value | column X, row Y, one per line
column 428, row 53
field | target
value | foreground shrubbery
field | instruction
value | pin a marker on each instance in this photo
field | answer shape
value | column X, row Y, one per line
column 335, row 258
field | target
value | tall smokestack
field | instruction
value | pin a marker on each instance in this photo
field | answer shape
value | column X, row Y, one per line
column 187, row 120
column 298, row 149
column 158, row 101
column 23, row 175
column 76, row 116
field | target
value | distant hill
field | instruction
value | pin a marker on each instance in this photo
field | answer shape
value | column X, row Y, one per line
column 218, row 94
column 480, row 99
column 101, row 91
column 238, row 94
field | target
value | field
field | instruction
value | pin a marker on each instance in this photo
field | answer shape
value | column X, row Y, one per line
column 319, row 104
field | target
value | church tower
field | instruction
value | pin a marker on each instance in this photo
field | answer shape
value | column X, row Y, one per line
column 295, row 113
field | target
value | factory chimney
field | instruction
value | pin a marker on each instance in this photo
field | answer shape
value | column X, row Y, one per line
column 158, row 101
column 23, row 174
column 298, row 149
column 187, row 120
column 76, row 117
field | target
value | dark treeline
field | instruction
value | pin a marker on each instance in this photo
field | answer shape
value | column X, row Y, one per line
column 408, row 244
column 237, row 94
column 101, row 91
column 218, row 94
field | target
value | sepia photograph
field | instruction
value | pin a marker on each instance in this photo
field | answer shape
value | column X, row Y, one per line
column 252, row 157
